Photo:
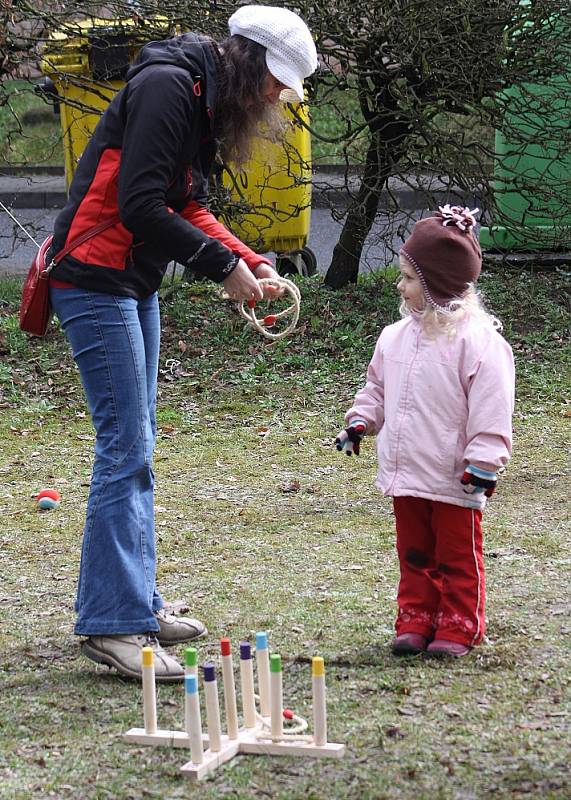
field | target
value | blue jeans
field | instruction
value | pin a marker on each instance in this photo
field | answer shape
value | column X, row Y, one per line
column 115, row 343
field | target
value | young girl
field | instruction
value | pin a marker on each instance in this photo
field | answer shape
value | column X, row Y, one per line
column 439, row 397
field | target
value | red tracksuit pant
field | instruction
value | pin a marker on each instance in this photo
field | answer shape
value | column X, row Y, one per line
column 441, row 591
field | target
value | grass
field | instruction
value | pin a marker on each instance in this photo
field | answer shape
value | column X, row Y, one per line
column 264, row 526
column 30, row 131
column 333, row 113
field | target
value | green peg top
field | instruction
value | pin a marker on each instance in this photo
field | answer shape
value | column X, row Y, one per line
column 191, row 657
column 275, row 663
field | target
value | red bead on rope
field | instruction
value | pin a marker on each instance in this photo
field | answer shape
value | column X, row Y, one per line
column 270, row 320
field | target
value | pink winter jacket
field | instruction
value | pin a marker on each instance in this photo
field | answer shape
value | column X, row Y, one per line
column 436, row 406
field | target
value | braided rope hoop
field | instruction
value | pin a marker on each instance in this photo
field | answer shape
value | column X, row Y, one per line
column 293, row 310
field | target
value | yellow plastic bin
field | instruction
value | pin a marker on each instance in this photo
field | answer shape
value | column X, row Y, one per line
column 87, row 65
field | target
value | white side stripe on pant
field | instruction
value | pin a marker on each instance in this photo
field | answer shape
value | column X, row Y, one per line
column 476, row 635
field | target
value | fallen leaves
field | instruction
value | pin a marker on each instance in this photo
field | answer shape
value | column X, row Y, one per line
column 292, row 486
column 537, row 725
column 395, row 732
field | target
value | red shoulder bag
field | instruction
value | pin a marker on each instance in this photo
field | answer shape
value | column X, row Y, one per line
column 35, row 310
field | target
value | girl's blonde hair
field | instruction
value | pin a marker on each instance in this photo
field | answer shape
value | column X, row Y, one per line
column 436, row 321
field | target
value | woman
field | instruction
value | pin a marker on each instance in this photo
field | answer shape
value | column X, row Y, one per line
column 137, row 201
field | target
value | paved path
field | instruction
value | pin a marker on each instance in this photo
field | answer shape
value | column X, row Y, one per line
column 35, row 201
column 17, row 251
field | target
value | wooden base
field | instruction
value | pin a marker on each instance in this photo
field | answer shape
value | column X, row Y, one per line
column 211, row 761
column 265, row 747
column 161, row 738
column 248, row 742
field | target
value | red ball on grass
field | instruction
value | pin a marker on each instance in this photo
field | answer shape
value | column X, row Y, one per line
column 48, row 499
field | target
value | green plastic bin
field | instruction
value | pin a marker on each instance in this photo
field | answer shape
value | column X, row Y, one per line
column 529, row 222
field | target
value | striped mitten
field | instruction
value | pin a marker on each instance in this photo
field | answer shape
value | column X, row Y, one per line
column 476, row 481
column 349, row 439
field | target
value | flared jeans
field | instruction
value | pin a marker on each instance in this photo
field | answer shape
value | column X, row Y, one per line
column 115, row 343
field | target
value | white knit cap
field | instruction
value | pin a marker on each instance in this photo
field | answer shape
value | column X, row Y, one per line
column 290, row 50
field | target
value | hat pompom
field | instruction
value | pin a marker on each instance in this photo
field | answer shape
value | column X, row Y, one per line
column 463, row 218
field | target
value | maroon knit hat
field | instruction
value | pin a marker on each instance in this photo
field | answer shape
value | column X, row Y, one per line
column 445, row 254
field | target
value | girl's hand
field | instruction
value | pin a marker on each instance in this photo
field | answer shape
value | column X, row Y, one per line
column 241, row 284
column 349, row 439
column 479, row 481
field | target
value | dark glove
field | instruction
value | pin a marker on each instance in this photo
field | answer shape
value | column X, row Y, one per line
column 476, row 481
column 350, row 438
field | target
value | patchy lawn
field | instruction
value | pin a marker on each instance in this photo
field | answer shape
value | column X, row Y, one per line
column 263, row 526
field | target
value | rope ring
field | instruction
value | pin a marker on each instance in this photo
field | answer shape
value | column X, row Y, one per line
column 270, row 319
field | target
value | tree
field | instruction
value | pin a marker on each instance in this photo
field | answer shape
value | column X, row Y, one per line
column 431, row 81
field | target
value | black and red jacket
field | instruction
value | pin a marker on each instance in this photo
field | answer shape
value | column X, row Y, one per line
column 147, row 164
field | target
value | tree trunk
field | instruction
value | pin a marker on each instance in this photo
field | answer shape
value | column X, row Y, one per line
column 344, row 266
column 389, row 132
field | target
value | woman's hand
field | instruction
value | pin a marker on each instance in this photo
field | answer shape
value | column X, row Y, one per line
column 267, row 271
column 241, row 284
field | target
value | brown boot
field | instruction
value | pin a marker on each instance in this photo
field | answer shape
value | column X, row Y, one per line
column 409, row 644
column 442, row 648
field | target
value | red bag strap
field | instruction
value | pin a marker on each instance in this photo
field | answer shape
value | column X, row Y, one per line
column 81, row 239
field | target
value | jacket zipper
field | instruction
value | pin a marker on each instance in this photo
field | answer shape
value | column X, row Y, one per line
column 405, row 403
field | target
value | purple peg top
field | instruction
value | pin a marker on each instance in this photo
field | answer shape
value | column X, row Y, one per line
column 245, row 651
column 209, row 672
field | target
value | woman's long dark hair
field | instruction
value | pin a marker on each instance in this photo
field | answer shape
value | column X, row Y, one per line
column 242, row 112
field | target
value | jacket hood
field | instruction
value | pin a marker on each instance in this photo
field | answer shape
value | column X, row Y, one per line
column 190, row 51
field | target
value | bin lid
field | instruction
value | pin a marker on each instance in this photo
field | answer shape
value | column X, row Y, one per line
column 101, row 48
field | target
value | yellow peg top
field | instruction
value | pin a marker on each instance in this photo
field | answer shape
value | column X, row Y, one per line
column 148, row 656
column 317, row 667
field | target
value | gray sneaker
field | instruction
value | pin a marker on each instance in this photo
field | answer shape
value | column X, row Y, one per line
column 124, row 653
column 175, row 629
